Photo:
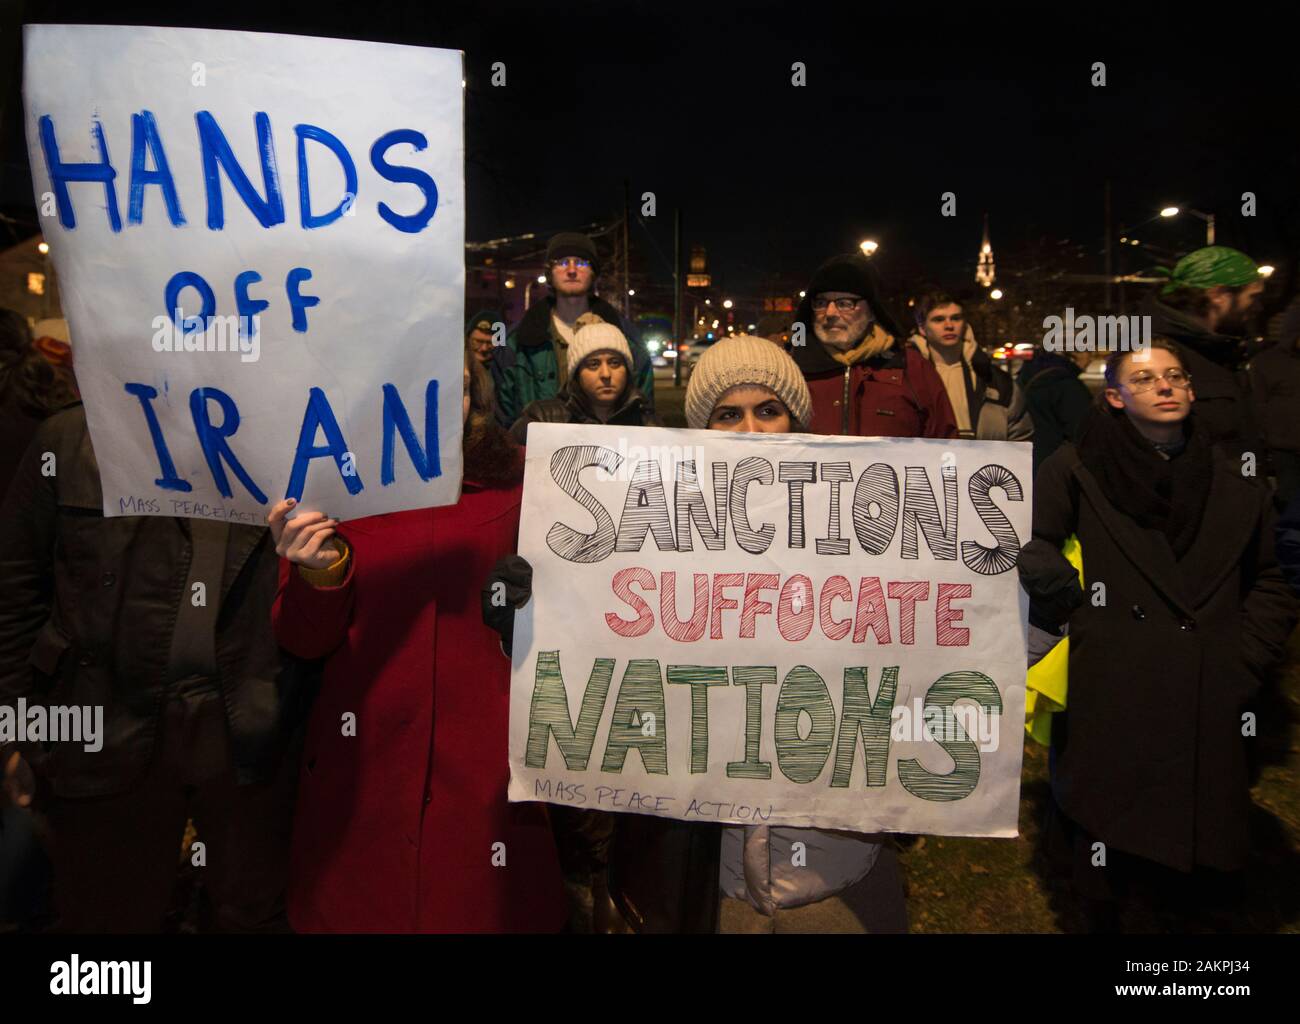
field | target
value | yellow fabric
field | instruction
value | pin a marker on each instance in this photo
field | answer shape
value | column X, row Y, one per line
column 1047, row 682
column 875, row 343
column 332, row 575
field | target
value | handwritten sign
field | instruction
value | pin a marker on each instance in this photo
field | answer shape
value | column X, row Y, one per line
column 259, row 241
column 773, row 629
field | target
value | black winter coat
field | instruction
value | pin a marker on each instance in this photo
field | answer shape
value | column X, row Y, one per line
column 570, row 406
column 1057, row 401
column 87, row 610
column 1150, row 755
column 1224, row 406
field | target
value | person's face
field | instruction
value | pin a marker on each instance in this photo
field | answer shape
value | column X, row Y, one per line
column 751, row 409
column 602, row 377
column 1233, row 308
column 481, row 344
column 571, row 275
column 464, row 402
column 1146, row 395
column 840, row 328
column 945, row 325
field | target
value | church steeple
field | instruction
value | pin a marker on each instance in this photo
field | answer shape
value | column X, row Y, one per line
column 985, row 272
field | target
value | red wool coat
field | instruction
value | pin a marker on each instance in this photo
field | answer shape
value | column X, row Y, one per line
column 395, row 825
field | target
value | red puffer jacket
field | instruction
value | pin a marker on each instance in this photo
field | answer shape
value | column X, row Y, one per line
column 397, row 825
column 897, row 394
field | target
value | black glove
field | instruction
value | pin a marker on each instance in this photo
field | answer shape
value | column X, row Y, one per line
column 1051, row 583
column 508, row 586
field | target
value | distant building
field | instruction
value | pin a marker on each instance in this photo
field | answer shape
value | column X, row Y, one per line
column 985, row 272
column 28, row 284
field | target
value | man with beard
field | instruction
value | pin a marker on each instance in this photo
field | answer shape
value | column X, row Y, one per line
column 1205, row 308
column 865, row 381
column 539, row 344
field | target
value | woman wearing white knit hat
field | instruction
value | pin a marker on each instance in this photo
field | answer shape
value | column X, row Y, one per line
column 600, row 388
column 744, row 383
column 677, row 876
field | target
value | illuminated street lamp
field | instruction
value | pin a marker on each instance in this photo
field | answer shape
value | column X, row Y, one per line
column 996, row 293
column 43, row 248
column 1266, row 270
column 868, row 246
column 1174, row 211
column 726, row 303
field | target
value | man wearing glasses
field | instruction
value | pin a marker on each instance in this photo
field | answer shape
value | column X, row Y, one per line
column 865, row 381
column 540, row 342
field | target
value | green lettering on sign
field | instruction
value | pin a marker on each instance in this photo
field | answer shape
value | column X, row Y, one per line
column 961, row 781
column 549, row 713
column 641, row 692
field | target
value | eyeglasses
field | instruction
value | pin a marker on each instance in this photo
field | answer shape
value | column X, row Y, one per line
column 578, row 263
column 1145, row 381
column 844, row 305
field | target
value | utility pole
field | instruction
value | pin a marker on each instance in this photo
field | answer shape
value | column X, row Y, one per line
column 677, row 297
column 627, row 209
column 1109, row 270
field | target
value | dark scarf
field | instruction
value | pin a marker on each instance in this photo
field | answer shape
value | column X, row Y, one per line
column 1158, row 493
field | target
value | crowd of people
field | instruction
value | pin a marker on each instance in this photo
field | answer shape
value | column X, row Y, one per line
column 334, row 720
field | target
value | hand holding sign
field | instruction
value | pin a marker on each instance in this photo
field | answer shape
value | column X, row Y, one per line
column 303, row 539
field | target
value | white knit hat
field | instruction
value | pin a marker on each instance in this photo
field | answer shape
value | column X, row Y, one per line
column 745, row 359
column 599, row 337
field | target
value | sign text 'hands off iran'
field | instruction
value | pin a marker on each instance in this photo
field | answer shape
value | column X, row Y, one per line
column 259, row 241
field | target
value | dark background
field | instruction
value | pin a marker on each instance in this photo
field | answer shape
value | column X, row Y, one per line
column 902, row 103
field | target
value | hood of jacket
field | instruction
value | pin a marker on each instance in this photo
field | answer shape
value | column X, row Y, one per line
column 534, row 330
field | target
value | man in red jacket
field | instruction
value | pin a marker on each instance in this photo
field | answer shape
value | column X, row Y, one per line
column 864, row 379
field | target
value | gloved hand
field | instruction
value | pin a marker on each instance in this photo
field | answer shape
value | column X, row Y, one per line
column 1051, row 583
column 508, row 586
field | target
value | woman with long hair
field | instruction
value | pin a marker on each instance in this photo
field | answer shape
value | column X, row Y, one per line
column 402, row 822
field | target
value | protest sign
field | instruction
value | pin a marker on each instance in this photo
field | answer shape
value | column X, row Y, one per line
column 260, row 248
column 773, row 629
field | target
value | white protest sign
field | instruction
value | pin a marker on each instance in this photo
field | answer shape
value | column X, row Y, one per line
column 260, row 248
column 773, row 629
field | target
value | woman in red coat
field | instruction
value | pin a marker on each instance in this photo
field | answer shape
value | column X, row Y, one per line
column 402, row 822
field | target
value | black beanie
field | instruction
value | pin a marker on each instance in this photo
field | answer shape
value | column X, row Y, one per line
column 570, row 243
column 853, row 273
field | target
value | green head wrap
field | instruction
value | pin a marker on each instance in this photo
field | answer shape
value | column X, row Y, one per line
column 1209, row 267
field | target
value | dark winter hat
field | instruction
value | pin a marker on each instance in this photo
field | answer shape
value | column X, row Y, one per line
column 851, row 273
column 570, row 243
column 483, row 320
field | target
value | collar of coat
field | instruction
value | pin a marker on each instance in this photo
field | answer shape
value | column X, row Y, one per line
column 579, row 408
column 1224, row 534
column 534, row 329
column 814, row 358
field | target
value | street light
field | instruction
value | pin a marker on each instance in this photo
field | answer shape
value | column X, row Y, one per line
column 631, row 291
column 868, row 246
column 726, row 303
column 1266, row 270
column 541, row 278
column 1174, row 211
column 996, row 293
column 43, row 248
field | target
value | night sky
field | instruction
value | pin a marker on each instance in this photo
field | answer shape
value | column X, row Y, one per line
column 694, row 103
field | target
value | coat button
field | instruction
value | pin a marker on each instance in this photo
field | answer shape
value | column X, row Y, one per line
column 108, row 579
column 1187, row 625
column 1138, row 613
